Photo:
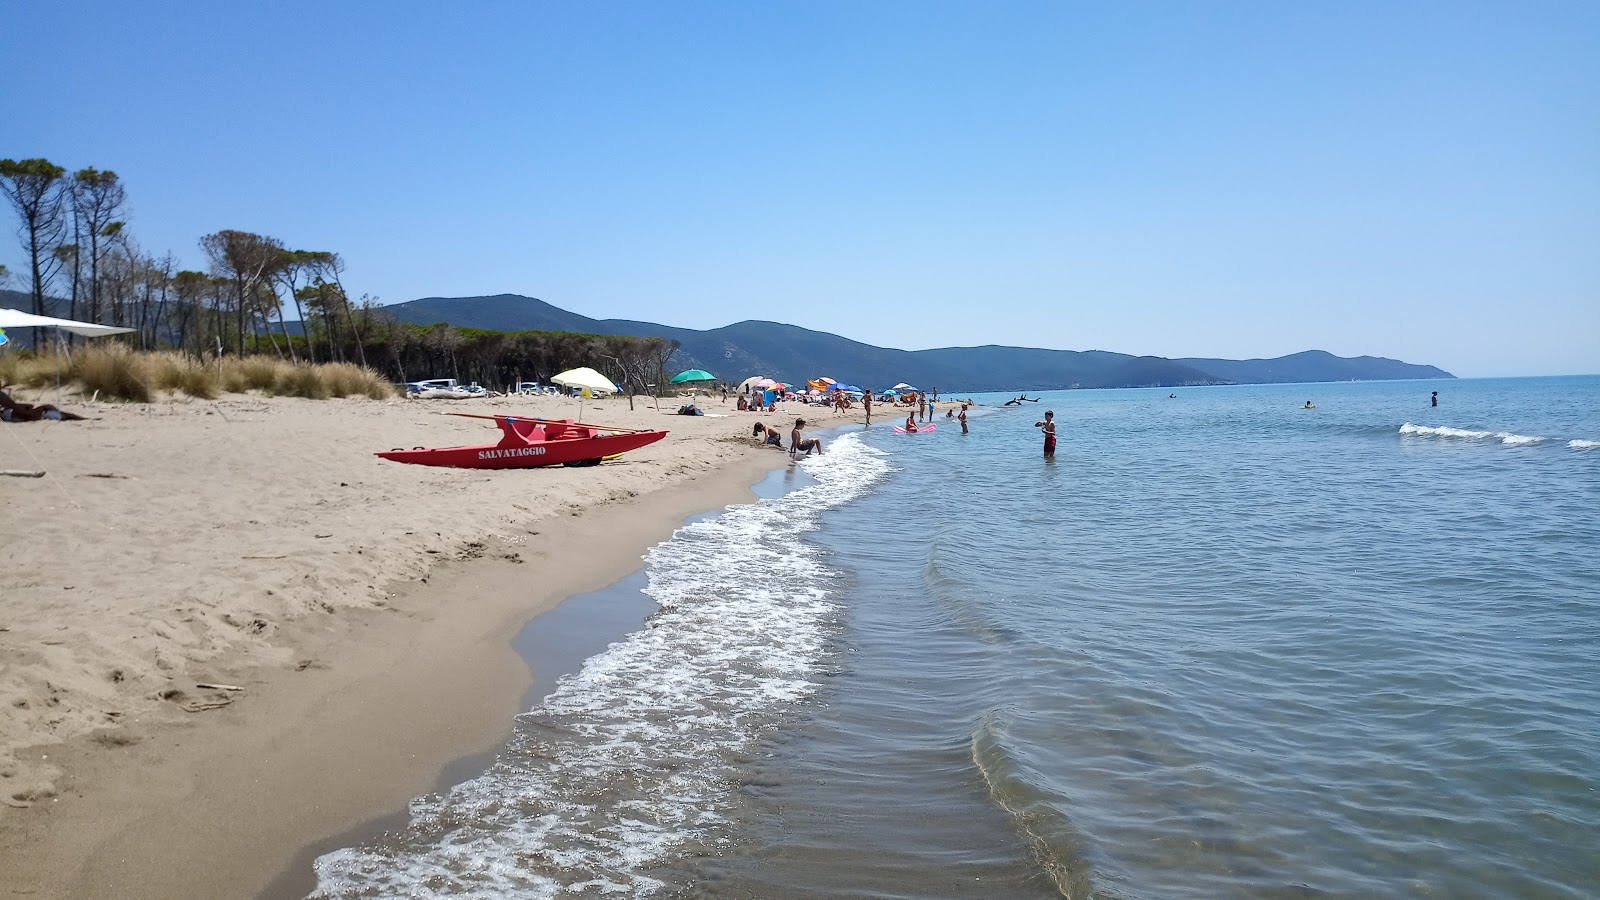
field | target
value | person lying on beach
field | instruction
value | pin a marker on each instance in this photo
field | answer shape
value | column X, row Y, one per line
column 769, row 435
column 689, row 409
column 14, row 411
column 797, row 444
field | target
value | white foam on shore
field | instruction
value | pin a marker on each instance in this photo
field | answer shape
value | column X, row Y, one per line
column 1505, row 437
column 630, row 756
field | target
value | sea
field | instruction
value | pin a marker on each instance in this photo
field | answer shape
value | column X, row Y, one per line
column 1221, row 645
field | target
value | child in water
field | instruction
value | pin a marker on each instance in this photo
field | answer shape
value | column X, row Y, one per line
column 1049, row 426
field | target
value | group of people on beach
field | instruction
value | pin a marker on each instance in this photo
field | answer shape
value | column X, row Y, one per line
column 769, row 436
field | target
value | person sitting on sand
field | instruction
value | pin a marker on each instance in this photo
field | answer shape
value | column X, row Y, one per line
column 744, row 405
column 769, row 435
column 14, row 411
column 797, row 444
column 911, row 422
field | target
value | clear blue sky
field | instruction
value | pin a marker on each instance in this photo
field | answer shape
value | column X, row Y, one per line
column 1419, row 180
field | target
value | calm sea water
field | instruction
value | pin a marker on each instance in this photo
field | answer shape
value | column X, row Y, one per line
column 1221, row 646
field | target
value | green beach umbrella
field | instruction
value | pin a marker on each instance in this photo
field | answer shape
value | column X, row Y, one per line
column 693, row 375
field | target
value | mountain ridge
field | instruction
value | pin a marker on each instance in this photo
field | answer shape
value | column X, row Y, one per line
column 795, row 353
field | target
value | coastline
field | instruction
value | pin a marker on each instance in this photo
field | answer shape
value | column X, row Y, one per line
column 348, row 716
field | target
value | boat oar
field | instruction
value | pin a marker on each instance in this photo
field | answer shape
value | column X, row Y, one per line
column 554, row 421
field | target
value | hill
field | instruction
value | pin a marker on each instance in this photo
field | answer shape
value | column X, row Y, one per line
column 792, row 353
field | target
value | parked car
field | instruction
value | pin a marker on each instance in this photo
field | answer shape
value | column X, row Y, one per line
column 433, row 384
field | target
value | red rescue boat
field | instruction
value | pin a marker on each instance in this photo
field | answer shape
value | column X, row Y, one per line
column 527, row 442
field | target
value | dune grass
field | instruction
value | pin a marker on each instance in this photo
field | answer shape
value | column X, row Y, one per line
column 24, row 367
column 114, row 371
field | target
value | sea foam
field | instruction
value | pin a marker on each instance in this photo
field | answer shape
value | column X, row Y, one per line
column 628, row 758
column 1505, row 437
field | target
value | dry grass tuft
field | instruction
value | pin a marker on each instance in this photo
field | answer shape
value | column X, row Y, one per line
column 112, row 370
column 350, row 380
column 257, row 373
column 302, row 381
column 26, row 368
column 170, row 371
column 117, row 372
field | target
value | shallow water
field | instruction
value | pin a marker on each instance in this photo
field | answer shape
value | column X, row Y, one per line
column 1220, row 646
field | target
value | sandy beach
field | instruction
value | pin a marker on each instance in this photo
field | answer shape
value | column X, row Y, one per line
column 228, row 631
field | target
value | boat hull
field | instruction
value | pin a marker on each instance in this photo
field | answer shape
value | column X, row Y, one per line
column 573, row 451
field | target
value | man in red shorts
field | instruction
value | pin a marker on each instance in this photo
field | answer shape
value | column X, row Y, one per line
column 1049, row 426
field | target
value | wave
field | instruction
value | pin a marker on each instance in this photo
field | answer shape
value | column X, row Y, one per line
column 630, row 757
column 1583, row 445
column 1505, row 437
column 1059, row 848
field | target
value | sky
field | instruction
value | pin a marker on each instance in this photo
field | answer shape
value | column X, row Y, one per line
column 1416, row 180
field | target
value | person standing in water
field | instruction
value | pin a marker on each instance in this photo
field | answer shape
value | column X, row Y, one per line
column 866, row 404
column 963, row 418
column 1049, row 426
column 1435, row 398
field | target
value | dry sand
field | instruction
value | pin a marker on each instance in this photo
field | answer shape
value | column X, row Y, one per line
column 364, row 607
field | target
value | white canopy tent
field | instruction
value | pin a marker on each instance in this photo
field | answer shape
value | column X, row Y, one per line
column 16, row 318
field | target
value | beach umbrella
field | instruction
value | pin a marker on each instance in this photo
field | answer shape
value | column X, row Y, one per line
column 587, row 379
column 751, row 382
column 902, row 386
column 765, row 383
column 584, row 377
column 692, row 375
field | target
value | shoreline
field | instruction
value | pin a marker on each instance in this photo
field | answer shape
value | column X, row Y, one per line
column 354, row 715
